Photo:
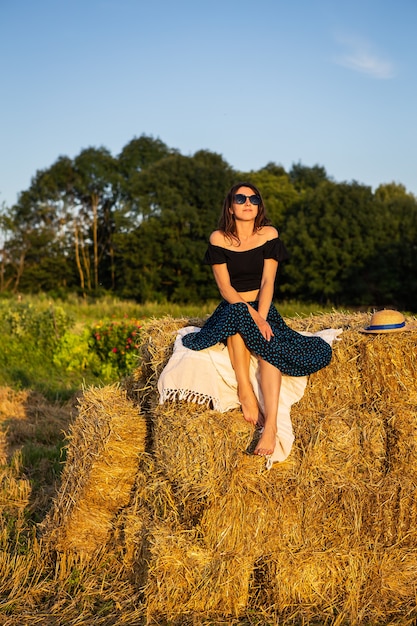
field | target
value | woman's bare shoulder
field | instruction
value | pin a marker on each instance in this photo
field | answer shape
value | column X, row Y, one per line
column 269, row 232
column 217, row 238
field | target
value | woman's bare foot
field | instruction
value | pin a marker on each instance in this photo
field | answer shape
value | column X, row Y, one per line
column 267, row 442
column 250, row 408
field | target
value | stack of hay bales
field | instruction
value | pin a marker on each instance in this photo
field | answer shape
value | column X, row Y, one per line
column 102, row 462
column 330, row 535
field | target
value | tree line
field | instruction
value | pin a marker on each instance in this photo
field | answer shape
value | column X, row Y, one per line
column 136, row 225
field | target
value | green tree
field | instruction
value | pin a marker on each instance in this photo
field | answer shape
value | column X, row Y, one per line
column 36, row 243
column 63, row 225
column 304, row 177
column 180, row 199
column 138, row 155
column 330, row 240
column 96, row 196
column 392, row 272
column 277, row 191
column 142, row 152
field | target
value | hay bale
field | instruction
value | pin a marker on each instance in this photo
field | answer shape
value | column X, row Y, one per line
column 104, row 443
column 201, row 456
column 313, row 587
column 186, row 576
column 157, row 342
column 151, row 500
column 314, row 537
column 330, row 535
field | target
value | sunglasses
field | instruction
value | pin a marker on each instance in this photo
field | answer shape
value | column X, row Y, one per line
column 240, row 198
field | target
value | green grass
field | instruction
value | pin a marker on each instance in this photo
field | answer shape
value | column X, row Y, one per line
column 108, row 307
column 47, row 344
column 88, row 311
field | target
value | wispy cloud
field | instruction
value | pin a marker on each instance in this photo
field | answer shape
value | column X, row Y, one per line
column 360, row 57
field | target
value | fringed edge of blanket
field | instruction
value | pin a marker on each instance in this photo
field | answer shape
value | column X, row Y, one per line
column 189, row 395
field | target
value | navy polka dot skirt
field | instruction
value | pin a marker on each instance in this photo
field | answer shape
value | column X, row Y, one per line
column 293, row 354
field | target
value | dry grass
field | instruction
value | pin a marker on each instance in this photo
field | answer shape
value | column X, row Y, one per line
column 163, row 515
column 319, row 537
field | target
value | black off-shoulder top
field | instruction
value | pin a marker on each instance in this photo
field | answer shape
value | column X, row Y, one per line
column 245, row 268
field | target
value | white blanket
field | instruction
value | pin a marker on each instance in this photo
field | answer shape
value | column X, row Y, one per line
column 207, row 377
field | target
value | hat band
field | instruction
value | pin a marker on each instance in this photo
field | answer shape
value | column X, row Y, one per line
column 386, row 326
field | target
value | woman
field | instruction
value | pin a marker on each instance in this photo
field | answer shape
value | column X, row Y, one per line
column 244, row 254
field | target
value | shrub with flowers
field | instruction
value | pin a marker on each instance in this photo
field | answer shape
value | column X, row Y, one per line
column 116, row 345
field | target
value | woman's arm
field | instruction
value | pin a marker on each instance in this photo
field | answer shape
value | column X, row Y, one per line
column 222, row 278
column 266, row 292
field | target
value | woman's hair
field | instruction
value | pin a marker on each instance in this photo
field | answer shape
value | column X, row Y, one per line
column 227, row 222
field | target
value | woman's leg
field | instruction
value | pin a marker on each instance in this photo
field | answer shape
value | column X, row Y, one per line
column 240, row 359
column 270, row 379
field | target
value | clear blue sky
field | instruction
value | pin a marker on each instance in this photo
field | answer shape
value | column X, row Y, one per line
column 328, row 82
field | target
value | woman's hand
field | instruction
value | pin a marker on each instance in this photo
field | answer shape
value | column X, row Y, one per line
column 265, row 329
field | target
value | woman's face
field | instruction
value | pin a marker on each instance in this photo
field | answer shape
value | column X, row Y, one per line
column 245, row 204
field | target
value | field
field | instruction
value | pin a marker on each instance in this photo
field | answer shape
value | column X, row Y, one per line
column 53, row 352
column 116, row 509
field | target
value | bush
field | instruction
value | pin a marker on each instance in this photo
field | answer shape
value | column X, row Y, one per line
column 116, row 344
column 45, row 327
column 41, row 350
column 73, row 353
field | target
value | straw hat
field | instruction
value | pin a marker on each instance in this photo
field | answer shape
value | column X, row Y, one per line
column 387, row 321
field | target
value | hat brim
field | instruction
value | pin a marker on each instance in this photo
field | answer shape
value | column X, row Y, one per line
column 389, row 331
